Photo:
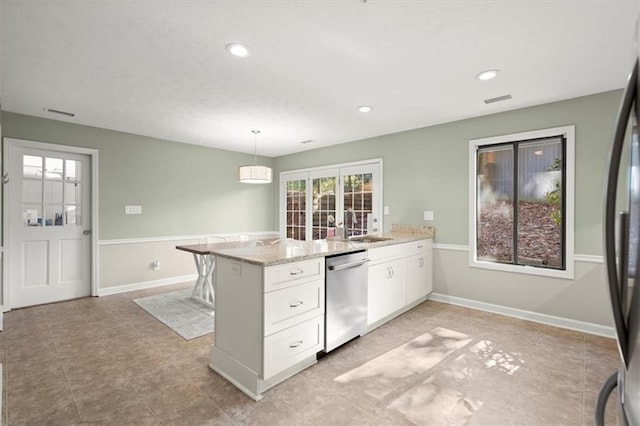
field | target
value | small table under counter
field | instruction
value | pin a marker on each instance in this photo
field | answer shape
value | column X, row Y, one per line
column 270, row 302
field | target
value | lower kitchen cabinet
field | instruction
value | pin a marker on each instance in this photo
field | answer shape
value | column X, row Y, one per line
column 387, row 289
column 399, row 275
column 419, row 272
column 269, row 321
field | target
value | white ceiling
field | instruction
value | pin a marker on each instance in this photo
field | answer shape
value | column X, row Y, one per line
column 160, row 68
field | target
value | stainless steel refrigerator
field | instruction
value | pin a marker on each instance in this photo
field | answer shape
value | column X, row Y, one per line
column 621, row 251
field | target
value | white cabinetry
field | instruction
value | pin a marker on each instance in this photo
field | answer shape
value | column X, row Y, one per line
column 399, row 275
column 387, row 289
column 419, row 271
column 269, row 321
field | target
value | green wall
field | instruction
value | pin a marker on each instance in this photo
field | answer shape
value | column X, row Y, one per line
column 183, row 189
column 189, row 190
column 427, row 168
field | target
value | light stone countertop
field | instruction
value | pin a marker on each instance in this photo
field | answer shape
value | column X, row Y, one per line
column 286, row 251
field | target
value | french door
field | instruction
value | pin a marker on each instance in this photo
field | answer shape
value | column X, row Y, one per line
column 48, row 206
column 314, row 202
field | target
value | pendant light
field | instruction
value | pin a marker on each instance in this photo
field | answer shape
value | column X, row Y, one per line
column 255, row 173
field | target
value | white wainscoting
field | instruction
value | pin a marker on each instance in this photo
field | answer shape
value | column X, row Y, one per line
column 126, row 264
column 580, row 304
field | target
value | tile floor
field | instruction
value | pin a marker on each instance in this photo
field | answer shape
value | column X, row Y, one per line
column 105, row 361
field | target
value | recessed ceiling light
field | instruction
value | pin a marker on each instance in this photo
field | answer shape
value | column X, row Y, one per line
column 237, row 49
column 365, row 108
column 487, row 75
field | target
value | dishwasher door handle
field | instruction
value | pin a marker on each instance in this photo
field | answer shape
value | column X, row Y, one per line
column 348, row 265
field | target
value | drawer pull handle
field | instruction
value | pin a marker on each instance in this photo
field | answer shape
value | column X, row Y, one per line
column 420, row 246
column 295, row 344
column 298, row 272
column 295, row 304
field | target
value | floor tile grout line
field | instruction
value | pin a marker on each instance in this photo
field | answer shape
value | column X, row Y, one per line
column 64, row 372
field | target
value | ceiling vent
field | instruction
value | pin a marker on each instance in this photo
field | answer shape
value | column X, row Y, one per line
column 498, row 99
column 56, row 111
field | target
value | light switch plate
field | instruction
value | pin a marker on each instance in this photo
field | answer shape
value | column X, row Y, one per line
column 132, row 209
column 386, row 210
column 428, row 215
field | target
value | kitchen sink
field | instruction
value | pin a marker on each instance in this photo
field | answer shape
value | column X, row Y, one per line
column 369, row 239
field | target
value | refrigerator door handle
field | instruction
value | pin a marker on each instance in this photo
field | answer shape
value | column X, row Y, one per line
column 610, row 190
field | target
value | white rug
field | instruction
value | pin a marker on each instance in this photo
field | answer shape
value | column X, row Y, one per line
column 178, row 311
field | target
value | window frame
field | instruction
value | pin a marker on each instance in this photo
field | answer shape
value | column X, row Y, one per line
column 568, row 132
column 333, row 170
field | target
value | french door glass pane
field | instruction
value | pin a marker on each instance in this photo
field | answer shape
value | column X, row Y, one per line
column 357, row 198
column 73, row 171
column 53, row 168
column 495, row 204
column 324, row 206
column 52, row 192
column 539, row 203
column 72, row 193
column 31, row 215
column 31, row 191
column 296, row 205
column 31, row 166
column 72, row 215
column 53, row 215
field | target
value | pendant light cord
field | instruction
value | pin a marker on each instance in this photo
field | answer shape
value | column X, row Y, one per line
column 255, row 146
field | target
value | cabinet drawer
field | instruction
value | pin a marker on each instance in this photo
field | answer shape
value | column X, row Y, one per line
column 289, row 306
column 288, row 274
column 292, row 345
column 419, row 246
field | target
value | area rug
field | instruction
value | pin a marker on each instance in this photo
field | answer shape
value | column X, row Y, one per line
column 178, row 311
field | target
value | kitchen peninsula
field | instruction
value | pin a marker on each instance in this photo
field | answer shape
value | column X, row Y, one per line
column 270, row 300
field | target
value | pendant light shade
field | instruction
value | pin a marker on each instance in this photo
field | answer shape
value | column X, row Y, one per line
column 255, row 173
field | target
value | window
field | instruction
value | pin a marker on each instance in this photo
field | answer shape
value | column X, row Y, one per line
column 521, row 202
column 314, row 201
column 51, row 191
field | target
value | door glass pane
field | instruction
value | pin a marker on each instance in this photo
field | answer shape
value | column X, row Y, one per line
column 31, row 191
column 53, row 215
column 358, row 202
column 72, row 193
column 72, row 215
column 53, row 168
column 495, row 204
column 52, row 192
column 539, row 203
column 73, row 170
column 324, row 207
column 31, row 166
column 296, row 209
column 31, row 215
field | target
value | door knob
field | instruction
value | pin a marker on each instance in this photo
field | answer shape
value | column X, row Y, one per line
column 86, row 232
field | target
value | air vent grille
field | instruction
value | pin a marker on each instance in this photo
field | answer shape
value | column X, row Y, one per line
column 498, row 99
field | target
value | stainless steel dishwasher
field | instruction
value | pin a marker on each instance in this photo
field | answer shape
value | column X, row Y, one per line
column 346, row 298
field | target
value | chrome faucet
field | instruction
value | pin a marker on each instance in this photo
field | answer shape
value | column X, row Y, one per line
column 354, row 221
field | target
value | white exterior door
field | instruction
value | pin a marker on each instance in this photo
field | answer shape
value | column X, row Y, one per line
column 49, row 225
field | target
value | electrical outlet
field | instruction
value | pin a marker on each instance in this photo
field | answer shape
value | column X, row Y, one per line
column 236, row 269
column 428, row 215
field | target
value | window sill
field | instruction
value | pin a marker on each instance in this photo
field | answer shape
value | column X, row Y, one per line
column 527, row 270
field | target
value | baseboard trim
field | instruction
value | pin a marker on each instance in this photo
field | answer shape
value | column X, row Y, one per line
column 585, row 327
column 145, row 285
